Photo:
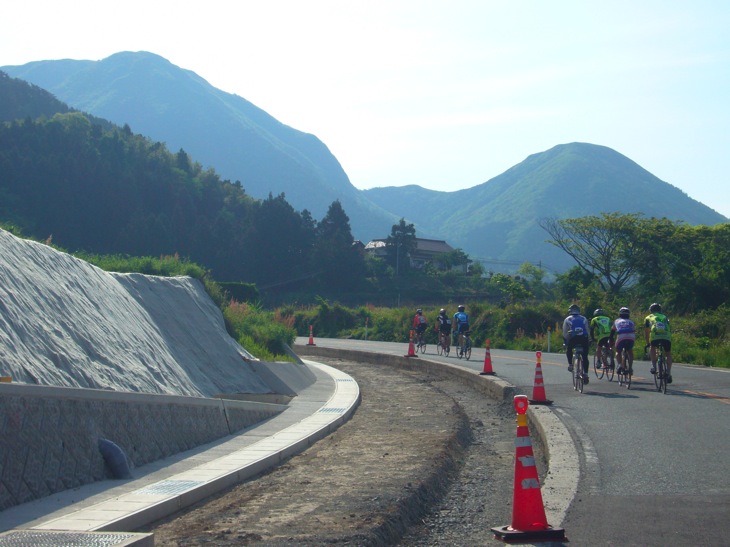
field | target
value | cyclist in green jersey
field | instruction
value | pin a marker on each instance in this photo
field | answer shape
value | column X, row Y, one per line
column 601, row 333
column 658, row 332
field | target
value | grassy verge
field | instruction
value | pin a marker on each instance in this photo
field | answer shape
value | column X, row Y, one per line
column 701, row 339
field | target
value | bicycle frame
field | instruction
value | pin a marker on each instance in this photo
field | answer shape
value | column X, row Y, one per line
column 661, row 372
column 578, row 368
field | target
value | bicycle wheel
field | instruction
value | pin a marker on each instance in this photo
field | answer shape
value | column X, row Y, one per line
column 447, row 349
column 662, row 373
column 422, row 346
column 598, row 371
column 658, row 373
column 440, row 347
column 460, row 350
column 578, row 373
column 628, row 369
column 467, row 349
column 621, row 374
column 611, row 370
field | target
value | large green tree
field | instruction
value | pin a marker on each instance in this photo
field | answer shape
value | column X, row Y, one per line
column 339, row 263
column 688, row 266
column 400, row 244
column 607, row 246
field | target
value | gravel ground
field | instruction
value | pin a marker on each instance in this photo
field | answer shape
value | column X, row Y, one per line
column 425, row 460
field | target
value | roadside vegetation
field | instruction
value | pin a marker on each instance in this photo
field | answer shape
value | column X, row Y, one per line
column 621, row 260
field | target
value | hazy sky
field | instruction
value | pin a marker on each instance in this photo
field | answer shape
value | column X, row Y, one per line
column 444, row 94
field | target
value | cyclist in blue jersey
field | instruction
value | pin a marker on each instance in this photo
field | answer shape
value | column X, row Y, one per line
column 461, row 325
column 575, row 333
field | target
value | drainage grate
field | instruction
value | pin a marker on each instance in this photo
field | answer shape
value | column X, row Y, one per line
column 169, row 487
column 332, row 410
column 345, row 380
column 52, row 538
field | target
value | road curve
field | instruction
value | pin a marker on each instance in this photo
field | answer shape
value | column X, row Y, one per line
column 651, row 466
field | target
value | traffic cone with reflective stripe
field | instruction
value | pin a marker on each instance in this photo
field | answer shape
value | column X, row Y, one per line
column 538, row 389
column 487, row 362
column 311, row 337
column 528, row 512
column 411, row 348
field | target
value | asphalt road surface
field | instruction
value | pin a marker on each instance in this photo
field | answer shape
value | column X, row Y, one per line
column 652, row 465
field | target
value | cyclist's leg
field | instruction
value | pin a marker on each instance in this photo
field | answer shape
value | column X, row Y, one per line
column 586, row 348
column 668, row 356
column 630, row 357
column 652, row 356
column 569, row 353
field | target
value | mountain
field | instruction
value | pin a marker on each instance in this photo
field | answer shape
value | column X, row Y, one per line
column 223, row 131
column 498, row 221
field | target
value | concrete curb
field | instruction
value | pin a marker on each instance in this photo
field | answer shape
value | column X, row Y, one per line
column 139, row 502
column 561, row 482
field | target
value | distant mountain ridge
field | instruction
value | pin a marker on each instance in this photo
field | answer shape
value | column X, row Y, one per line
column 498, row 220
column 220, row 130
column 495, row 222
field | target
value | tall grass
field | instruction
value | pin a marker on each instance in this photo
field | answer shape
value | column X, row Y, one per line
column 702, row 339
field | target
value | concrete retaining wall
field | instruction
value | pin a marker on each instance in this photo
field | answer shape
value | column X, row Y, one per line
column 49, row 435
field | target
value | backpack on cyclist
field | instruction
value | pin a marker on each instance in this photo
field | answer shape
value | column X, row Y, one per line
column 578, row 325
column 659, row 325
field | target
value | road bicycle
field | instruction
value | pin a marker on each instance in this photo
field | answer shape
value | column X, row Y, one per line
column 660, row 375
column 624, row 375
column 464, row 349
column 578, row 368
column 420, row 342
column 443, row 347
column 606, row 368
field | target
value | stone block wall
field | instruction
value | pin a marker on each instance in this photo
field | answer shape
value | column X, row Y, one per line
column 49, row 436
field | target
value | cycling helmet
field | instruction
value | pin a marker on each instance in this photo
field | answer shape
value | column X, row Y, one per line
column 461, row 308
column 624, row 312
column 419, row 310
column 442, row 311
column 598, row 313
column 574, row 309
column 655, row 307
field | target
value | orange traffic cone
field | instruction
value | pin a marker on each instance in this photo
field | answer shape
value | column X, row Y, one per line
column 487, row 362
column 311, row 337
column 411, row 348
column 538, row 389
column 528, row 513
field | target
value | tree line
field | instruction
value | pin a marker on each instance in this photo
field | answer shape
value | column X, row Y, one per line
column 647, row 259
column 99, row 188
column 106, row 190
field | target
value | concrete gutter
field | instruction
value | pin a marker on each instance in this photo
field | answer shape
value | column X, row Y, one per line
column 93, row 512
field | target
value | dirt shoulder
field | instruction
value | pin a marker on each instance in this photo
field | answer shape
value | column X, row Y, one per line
column 422, row 459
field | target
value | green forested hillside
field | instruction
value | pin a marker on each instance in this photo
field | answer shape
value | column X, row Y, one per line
column 111, row 191
column 499, row 220
column 220, row 130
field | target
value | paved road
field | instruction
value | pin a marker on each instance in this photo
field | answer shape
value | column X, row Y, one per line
column 653, row 466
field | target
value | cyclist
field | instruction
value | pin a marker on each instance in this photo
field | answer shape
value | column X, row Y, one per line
column 623, row 335
column 575, row 333
column 419, row 325
column 601, row 334
column 657, row 332
column 443, row 327
column 461, row 326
